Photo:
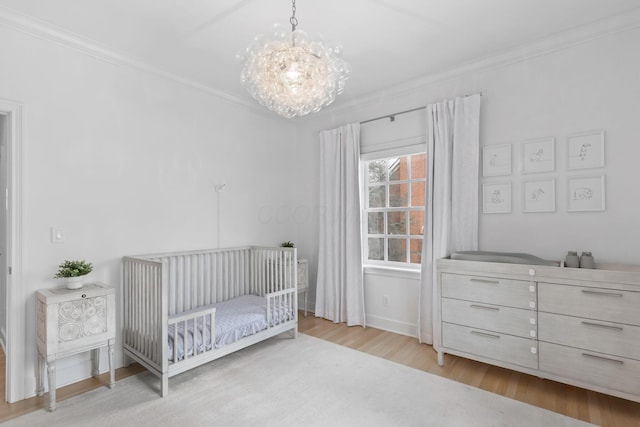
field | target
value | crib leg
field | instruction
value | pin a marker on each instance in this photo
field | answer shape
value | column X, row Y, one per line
column 295, row 332
column 164, row 386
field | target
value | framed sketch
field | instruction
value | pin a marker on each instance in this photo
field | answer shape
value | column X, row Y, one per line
column 586, row 150
column 496, row 160
column 496, row 198
column 586, row 194
column 539, row 155
column 539, row 196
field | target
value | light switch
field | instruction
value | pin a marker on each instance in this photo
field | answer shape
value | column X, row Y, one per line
column 57, row 236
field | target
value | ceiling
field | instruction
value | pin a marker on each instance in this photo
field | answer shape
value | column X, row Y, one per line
column 386, row 42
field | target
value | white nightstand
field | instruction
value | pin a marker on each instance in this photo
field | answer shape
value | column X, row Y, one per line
column 70, row 322
column 303, row 280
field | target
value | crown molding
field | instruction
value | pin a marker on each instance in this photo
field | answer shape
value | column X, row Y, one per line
column 51, row 33
column 545, row 46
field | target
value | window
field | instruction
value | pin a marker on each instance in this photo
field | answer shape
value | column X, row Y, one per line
column 393, row 220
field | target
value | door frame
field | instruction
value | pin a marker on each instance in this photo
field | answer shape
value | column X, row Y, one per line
column 16, row 303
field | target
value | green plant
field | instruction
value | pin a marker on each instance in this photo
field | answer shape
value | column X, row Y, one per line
column 287, row 244
column 73, row 268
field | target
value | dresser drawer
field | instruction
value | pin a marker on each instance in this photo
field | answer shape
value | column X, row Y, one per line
column 506, row 320
column 493, row 345
column 505, row 292
column 605, row 337
column 589, row 367
column 592, row 303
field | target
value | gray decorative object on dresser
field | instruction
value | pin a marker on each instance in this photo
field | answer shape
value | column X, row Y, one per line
column 577, row 326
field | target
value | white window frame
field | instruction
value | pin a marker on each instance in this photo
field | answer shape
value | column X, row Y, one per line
column 384, row 155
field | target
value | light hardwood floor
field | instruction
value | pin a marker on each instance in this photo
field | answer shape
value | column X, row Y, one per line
column 578, row 403
column 575, row 402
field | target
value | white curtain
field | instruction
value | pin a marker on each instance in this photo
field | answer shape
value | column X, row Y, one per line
column 340, row 292
column 451, row 216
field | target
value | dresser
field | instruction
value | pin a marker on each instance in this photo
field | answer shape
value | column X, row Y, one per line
column 303, row 280
column 577, row 326
column 70, row 322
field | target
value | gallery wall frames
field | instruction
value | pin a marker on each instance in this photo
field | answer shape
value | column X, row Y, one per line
column 585, row 150
column 496, row 160
column 496, row 198
column 539, row 195
column 586, row 193
column 538, row 155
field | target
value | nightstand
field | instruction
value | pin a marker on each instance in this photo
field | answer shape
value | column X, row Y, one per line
column 303, row 280
column 71, row 322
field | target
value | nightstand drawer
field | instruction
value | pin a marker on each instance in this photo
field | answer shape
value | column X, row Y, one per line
column 592, row 303
column 502, row 347
column 506, row 320
column 506, row 292
column 590, row 367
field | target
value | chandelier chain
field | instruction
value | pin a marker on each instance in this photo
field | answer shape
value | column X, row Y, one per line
column 293, row 20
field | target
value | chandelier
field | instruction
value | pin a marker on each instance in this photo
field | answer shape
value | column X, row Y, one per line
column 292, row 73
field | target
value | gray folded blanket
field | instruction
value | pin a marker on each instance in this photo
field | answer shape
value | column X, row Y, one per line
column 506, row 257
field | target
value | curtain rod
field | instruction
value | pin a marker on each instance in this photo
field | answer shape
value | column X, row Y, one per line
column 392, row 117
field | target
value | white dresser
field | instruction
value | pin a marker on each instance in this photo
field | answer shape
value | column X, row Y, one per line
column 576, row 326
column 70, row 322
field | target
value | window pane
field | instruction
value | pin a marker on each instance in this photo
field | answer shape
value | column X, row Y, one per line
column 398, row 169
column 415, row 247
column 376, row 222
column 416, row 223
column 418, row 166
column 398, row 250
column 377, row 171
column 377, row 196
column 398, row 195
column 417, row 193
column 376, row 249
column 397, row 222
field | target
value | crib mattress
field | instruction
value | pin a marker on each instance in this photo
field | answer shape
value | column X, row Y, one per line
column 234, row 319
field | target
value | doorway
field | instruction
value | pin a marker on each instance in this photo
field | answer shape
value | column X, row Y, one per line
column 12, row 305
column 3, row 247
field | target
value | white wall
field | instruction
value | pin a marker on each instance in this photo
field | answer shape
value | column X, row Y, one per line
column 124, row 162
column 589, row 86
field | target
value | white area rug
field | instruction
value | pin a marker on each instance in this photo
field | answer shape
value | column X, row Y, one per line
column 302, row 382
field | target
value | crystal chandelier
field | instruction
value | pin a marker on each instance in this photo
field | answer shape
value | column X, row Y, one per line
column 291, row 73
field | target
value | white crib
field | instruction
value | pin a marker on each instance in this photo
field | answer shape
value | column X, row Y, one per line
column 180, row 292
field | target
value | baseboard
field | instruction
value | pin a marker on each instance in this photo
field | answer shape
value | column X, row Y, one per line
column 392, row 325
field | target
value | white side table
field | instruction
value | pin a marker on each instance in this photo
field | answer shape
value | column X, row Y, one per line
column 303, row 280
column 71, row 322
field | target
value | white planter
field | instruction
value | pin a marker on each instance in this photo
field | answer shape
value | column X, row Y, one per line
column 74, row 282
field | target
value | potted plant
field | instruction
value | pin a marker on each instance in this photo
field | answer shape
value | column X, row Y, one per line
column 287, row 244
column 74, row 272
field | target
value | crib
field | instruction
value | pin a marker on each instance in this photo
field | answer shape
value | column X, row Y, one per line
column 178, row 307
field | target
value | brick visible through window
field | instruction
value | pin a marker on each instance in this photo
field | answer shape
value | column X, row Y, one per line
column 393, row 222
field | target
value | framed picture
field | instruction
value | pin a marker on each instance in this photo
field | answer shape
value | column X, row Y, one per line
column 586, row 194
column 539, row 155
column 496, row 160
column 539, row 196
column 496, row 198
column 586, row 150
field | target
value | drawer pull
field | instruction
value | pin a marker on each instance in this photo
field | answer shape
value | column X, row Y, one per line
column 484, row 307
column 606, row 359
column 492, row 282
column 604, row 294
column 484, row 334
column 616, row 328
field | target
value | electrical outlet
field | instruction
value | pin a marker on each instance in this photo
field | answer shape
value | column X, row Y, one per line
column 385, row 300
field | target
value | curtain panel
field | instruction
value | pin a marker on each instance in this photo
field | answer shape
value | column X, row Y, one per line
column 451, row 213
column 340, row 289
